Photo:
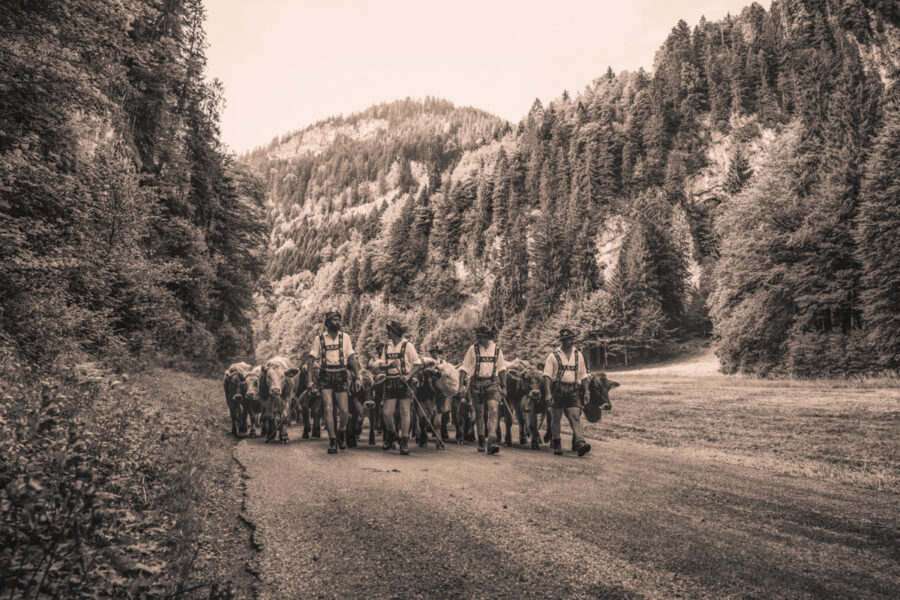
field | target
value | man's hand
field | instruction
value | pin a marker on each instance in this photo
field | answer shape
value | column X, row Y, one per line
column 312, row 387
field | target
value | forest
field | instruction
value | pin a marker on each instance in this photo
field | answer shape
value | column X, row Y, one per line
column 129, row 238
column 745, row 190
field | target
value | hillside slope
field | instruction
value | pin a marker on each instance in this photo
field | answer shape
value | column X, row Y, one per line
column 614, row 210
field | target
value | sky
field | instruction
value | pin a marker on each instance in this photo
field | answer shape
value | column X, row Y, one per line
column 286, row 64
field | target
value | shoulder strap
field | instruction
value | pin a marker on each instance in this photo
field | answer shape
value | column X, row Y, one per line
column 322, row 348
column 560, row 369
column 403, row 357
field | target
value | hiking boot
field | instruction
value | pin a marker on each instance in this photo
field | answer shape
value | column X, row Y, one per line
column 582, row 447
column 481, row 444
column 492, row 447
column 404, row 446
column 388, row 443
column 342, row 444
column 332, row 446
column 557, row 447
column 535, row 443
column 305, row 435
column 316, row 431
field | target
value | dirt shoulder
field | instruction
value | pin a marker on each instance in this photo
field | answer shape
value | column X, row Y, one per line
column 220, row 550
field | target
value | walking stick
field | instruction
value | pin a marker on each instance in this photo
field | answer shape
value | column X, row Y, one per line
column 438, row 442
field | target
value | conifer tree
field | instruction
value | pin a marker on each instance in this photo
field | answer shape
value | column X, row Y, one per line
column 878, row 237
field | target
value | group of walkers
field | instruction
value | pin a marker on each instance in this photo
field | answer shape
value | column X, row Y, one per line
column 333, row 370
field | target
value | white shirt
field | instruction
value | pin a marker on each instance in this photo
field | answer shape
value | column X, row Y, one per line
column 410, row 358
column 551, row 366
column 484, row 368
column 332, row 356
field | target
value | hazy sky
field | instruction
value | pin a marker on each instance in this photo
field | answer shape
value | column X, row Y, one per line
column 289, row 63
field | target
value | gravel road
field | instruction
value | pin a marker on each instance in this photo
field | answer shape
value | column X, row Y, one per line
column 625, row 521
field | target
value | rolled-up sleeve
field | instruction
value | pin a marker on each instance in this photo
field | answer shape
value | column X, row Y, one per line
column 550, row 366
column 468, row 365
column 412, row 357
column 315, row 350
column 581, row 374
column 348, row 347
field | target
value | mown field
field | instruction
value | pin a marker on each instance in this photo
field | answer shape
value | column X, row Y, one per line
column 844, row 431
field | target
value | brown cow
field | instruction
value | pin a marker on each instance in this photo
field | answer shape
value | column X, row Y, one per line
column 252, row 400
column 276, row 389
column 235, row 391
column 523, row 393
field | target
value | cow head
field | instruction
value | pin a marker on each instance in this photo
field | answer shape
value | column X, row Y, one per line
column 234, row 380
column 528, row 382
column 250, row 386
column 599, row 387
column 275, row 375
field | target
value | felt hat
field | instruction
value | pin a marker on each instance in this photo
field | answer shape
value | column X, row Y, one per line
column 483, row 330
column 395, row 326
column 332, row 314
column 565, row 333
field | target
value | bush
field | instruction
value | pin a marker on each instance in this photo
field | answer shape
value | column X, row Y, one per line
column 95, row 488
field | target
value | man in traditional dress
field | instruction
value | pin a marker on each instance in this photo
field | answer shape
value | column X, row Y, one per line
column 483, row 376
column 334, row 351
column 401, row 364
column 565, row 386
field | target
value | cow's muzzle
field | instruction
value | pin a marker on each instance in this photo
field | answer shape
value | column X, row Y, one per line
column 274, row 392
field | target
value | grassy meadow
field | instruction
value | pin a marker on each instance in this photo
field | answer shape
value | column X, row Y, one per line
column 840, row 430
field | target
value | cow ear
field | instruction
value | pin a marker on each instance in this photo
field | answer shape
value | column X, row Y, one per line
column 242, row 377
column 613, row 384
column 292, row 372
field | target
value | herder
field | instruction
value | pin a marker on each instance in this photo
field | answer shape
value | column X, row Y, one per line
column 565, row 385
column 334, row 351
column 483, row 374
column 401, row 364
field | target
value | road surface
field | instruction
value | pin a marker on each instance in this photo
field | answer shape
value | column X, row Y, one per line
column 625, row 521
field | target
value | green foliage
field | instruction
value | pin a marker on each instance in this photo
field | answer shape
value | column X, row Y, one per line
column 523, row 214
column 877, row 235
column 125, row 226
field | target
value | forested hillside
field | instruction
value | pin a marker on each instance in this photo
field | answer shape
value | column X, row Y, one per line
column 125, row 228
column 745, row 189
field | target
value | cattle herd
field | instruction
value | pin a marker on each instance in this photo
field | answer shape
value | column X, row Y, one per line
column 264, row 399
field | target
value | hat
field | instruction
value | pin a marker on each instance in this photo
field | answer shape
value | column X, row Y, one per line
column 332, row 314
column 484, row 330
column 437, row 350
column 565, row 332
column 395, row 326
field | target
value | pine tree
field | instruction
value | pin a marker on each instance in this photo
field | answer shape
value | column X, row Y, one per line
column 877, row 234
column 739, row 171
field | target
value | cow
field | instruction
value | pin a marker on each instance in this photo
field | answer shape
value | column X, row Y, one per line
column 361, row 403
column 523, row 394
column 429, row 398
column 598, row 396
column 253, row 400
column 235, row 393
column 276, row 389
column 599, row 386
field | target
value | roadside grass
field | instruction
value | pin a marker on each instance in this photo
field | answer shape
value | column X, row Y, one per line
column 102, row 483
column 835, row 430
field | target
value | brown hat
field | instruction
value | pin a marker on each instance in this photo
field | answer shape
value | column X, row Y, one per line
column 565, row 332
column 483, row 330
column 395, row 326
column 332, row 314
